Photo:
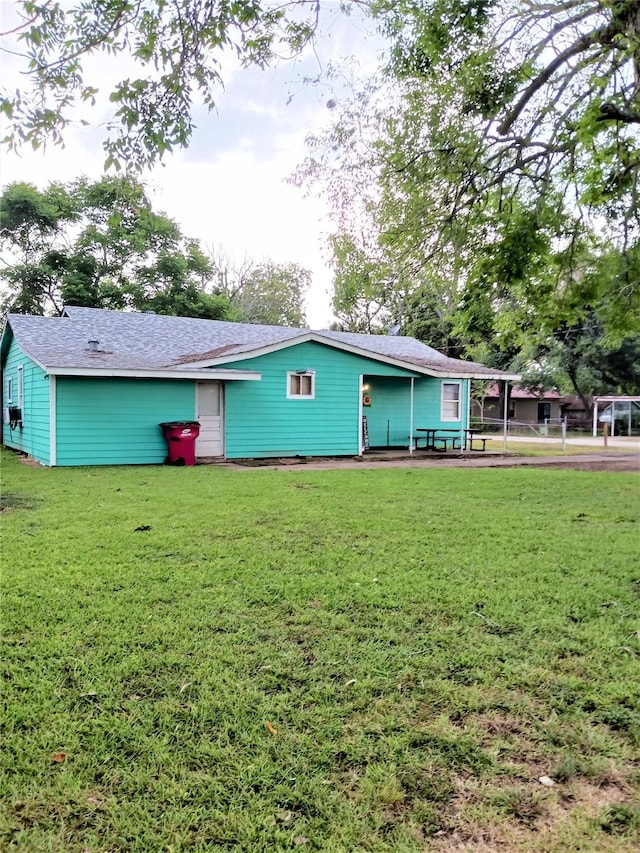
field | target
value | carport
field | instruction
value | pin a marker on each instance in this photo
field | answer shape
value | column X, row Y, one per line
column 622, row 408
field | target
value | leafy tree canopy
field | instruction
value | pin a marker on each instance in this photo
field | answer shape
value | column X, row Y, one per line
column 100, row 245
column 484, row 183
column 172, row 54
column 265, row 292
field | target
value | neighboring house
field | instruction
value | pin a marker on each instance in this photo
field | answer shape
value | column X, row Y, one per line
column 92, row 386
column 524, row 406
column 575, row 409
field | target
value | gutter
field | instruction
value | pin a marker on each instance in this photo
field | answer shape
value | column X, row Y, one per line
column 108, row 372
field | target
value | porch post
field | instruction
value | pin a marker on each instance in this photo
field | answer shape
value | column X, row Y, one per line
column 505, row 415
column 53, row 425
column 465, row 386
column 595, row 417
column 613, row 419
column 360, row 442
column 411, row 416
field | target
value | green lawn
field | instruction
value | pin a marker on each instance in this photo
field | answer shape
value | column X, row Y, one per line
column 360, row 660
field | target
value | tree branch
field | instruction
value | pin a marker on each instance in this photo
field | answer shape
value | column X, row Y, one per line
column 584, row 43
column 610, row 112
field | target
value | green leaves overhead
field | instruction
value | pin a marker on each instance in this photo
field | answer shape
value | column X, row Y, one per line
column 159, row 60
column 496, row 158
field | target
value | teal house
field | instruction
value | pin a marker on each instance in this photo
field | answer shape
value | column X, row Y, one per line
column 92, row 386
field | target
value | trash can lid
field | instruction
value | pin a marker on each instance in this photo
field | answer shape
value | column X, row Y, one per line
column 180, row 424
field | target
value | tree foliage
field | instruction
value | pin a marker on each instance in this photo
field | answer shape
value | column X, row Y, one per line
column 273, row 294
column 101, row 245
column 496, row 164
column 172, row 55
column 263, row 292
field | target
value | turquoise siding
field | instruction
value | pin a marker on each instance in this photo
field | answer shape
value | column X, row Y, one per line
column 388, row 416
column 262, row 422
column 115, row 421
column 33, row 436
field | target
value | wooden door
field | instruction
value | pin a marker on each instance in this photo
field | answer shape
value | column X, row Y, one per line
column 209, row 413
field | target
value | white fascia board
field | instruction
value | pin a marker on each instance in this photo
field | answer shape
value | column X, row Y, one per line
column 315, row 338
column 621, row 398
column 409, row 365
column 53, row 426
column 202, row 375
column 510, row 377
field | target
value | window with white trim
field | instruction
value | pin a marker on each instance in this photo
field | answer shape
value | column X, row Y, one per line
column 9, row 390
column 301, row 384
column 450, row 408
column 20, row 386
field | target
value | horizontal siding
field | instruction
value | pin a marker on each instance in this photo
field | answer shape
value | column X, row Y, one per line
column 33, row 436
column 115, row 421
column 428, row 405
column 262, row 422
column 389, row 415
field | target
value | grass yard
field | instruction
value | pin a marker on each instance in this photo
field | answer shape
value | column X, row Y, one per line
column 358, row 660
column 550, row 447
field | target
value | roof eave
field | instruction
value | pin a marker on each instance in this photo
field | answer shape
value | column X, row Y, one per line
column 507, row 377
column 5, row 337
column 9, row 332
column 163, row 373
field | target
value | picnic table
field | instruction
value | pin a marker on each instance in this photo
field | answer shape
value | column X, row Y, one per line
column 436, row 438
column 471, row 435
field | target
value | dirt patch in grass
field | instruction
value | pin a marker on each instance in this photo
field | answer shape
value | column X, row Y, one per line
column 25, row 458
column 15, row 500
column 583, row 461
column 622, row 463
column 516, row 816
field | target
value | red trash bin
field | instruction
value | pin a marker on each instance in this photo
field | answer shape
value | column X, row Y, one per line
column 181, row 441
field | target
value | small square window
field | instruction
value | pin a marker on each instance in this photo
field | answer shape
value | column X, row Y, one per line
column 450, row 410
column 301, row 384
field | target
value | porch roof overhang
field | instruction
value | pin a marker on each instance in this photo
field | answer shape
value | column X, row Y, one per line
column 620, row 398
column 202, row 375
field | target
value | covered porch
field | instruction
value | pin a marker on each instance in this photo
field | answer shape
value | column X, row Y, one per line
column 418, row 413
column 414, row 412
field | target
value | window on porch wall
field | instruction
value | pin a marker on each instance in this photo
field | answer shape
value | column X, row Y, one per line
column 450, row 410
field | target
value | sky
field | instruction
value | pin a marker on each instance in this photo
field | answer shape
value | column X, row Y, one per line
column 229, row 189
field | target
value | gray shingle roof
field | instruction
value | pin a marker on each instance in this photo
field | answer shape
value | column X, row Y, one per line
column 134, row 341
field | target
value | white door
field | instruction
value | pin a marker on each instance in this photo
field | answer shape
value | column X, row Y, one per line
column 210, row 442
